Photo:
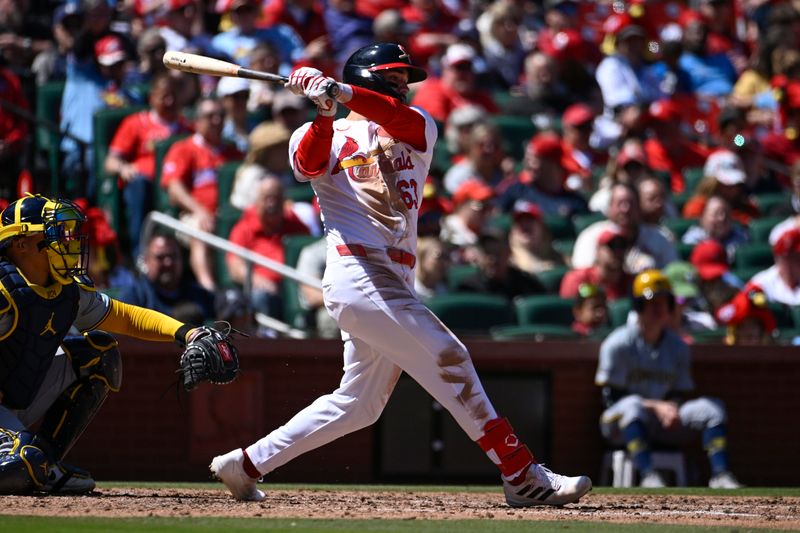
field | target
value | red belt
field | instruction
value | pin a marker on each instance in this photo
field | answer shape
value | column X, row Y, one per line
column 395, row 254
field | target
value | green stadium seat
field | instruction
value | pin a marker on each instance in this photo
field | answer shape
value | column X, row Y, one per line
column 551, row 279
column 618, row 311
column 442, row 158
column 516, row 131
column 302, row 192
column 544, row 309
column 684, row 250
column 564, row 247
column 226, row 174
column 761, row 227
column 48, row 107
column 709, row 336
column 560, row 227
column 538, row 332
column 293, row 313
column 784, row 315
column 692, row 176
column 105, row 124
column 767, row 203
column 678, row 226
column 472, row 313
column 501, row 221
column 227, row 217
column 754, row 254
column 458, row 273
column 581, row 222
column 745, row 273
column 680, row 199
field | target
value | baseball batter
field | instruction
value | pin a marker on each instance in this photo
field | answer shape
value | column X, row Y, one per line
column 368, row 172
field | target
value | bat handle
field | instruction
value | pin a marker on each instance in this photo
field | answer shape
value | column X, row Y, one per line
column 333, row 90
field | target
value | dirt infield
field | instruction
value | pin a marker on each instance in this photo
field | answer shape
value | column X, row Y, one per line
column 723, row 510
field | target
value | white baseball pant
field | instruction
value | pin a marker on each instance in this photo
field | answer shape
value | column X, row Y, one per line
column 386, row 330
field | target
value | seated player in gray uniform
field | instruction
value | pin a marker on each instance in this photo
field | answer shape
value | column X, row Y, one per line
column 644, row 372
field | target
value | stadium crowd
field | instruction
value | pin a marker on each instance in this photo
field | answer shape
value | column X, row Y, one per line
column 581, row 143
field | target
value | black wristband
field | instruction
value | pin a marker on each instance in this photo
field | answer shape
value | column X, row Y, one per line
column 182, row 332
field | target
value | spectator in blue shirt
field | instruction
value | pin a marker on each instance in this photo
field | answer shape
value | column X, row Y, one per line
column 711, row 75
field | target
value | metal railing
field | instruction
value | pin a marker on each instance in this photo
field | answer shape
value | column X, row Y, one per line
column 251, row 258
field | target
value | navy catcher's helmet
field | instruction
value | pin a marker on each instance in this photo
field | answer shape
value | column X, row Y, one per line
column 360, row 69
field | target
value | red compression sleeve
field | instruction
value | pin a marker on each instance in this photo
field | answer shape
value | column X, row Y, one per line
column 314, row 151
column 399, row 120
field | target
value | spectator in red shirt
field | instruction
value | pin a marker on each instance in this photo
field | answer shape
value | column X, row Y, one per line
column 783, row 146
column 190, row 178
column 305, row 16
column 607, row 272
column 668, row 150
column 435, row 28
column 13, row 133
column 131, row 155
column 456, row 87
column 261, row 230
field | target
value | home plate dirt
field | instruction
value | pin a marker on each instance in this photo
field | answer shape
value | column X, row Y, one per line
column 724, row 510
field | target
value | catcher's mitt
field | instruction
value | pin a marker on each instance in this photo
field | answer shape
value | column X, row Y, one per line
column 209, row 356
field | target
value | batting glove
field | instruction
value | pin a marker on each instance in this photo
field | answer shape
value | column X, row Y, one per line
column 300, row 79
column 319, row 91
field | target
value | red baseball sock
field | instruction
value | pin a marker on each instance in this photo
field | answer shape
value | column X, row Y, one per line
column 249, row 468
column 505, row 449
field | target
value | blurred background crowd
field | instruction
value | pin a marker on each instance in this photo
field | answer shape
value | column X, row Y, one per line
column 581, row 142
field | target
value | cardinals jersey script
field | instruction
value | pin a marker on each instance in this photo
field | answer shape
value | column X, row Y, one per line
column 373, row 187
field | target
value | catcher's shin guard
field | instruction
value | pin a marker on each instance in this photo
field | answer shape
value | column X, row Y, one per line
column 98, row 365
column 23, row 465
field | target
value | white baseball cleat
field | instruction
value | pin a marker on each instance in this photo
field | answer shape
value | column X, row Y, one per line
column 541, row 486
column 724, row 480
column 229, row 469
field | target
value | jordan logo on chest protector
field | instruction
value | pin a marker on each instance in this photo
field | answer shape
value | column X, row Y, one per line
column 48, row 328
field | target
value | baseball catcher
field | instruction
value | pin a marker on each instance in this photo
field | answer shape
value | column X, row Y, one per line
column 59, row 379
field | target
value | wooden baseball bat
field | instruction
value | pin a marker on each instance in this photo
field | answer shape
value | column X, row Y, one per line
column 198, row 64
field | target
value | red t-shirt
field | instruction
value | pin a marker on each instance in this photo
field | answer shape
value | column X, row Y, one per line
column 249, row 234
column 573, row 279
column 137, row 135
column 440, row 101
column 194, row 162
column 13, row 129
column 691, row 155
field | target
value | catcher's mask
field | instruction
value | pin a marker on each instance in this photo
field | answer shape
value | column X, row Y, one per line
column 61, row 223
column 364, row 66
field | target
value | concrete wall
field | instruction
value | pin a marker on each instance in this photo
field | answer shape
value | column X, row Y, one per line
column 151, row 431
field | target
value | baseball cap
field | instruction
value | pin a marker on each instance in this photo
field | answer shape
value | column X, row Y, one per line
column 65, row 10
column 267, row 135
column 788, row 242
column 458, row 53
column 547, row 145
column 472, row 190
column 110, row 50
column 710, row 259
column 228, row 85
column 664, row 111
column 577, row 114
column 526, row 209
column 631, row 152
column 612, row 238
column 174, row 5
column 223, row 6
column 746, row 304
column 683, row 278
column 563, row 45
column 466, row 114
column 286, row 100
column 726, row 167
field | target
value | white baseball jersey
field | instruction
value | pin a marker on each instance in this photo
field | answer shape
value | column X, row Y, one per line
column 373, row 188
